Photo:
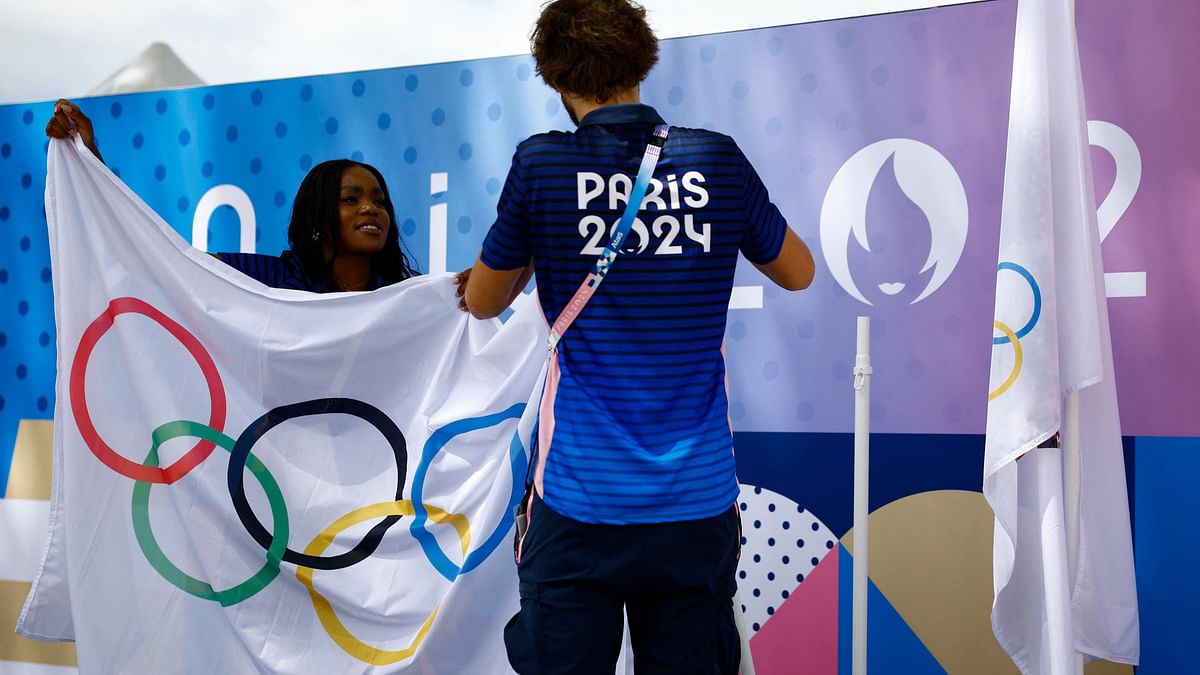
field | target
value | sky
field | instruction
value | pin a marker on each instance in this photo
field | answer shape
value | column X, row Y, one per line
column 63, row 49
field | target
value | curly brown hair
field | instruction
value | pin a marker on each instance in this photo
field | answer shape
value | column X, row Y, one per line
column 593, row 48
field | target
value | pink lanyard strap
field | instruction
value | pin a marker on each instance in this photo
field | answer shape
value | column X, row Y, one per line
column 588, row 288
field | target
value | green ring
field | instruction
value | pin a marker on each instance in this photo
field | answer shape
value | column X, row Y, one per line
column 158, row 560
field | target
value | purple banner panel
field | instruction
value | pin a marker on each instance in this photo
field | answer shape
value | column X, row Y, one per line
column 882, row 139
column 1142, row 91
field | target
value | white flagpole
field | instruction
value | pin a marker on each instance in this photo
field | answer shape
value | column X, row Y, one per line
column 862, row 436
column 1071, row 476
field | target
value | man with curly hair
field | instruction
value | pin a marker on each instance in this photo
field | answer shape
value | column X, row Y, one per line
column 634, row 491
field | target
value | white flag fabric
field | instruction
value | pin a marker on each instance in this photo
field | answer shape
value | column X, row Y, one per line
column 258, row 480
column 1063, row 585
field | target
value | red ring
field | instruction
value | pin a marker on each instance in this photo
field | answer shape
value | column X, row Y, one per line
column 83, row 418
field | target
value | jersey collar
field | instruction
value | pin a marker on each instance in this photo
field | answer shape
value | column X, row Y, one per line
column 622, row 113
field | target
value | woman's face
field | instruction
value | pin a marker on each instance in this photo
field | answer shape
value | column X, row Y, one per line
column 364, row 222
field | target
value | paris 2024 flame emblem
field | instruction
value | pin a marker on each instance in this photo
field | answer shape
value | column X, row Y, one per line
column 927, row 179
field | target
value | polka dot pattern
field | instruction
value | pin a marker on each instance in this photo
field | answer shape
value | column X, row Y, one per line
column 774, row 561
column 171, row 147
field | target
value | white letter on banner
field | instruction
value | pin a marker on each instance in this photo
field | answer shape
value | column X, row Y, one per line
column 439, row 215
column 215, row 198
column 1124, row 150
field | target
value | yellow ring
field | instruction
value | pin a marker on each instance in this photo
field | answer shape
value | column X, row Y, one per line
column 1012, row 377
column 352, row 645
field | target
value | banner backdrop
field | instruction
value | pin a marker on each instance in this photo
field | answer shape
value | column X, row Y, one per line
column 881, row 138
column 888, row 128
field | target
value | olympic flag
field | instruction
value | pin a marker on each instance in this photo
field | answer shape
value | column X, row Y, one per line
column 1062, row 556
column 258, row 480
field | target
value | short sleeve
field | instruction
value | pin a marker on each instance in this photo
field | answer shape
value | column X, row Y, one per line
column 765, row 226
column 508, row 244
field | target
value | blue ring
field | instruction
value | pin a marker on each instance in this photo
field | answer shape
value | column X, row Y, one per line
column 438, row 441
column 1037, row 302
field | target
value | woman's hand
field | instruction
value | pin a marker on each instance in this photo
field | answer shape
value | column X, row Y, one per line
column 460, row 280
column 69, row 120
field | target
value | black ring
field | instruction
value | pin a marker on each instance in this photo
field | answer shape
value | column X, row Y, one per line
column 320, row 406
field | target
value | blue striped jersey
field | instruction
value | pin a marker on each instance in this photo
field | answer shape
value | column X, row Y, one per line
column 634, row 423
column 284, row 271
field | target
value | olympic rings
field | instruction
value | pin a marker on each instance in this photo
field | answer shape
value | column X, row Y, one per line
column 329, row 620
column 83, row 418
column 1019, row 357
column 154, row 554
column 1037, row 304
column 320, row 406
column 211, row 435
column 1014, row 337
column 437, row 441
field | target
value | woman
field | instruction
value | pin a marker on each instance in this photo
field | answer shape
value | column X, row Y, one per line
column 342, row 235
column 342, row 232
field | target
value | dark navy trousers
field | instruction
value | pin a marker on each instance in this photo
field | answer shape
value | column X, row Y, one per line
column 675, row 581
